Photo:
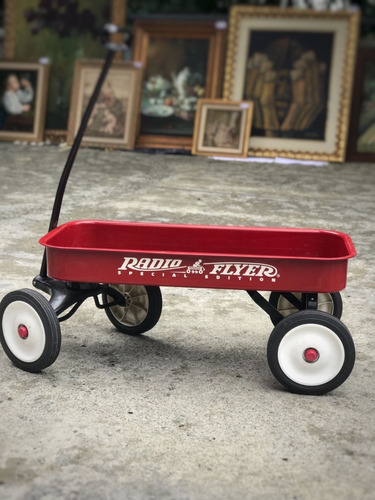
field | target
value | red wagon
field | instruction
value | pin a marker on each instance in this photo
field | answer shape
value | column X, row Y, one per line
column 310, row 351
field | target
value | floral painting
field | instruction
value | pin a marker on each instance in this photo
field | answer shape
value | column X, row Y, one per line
column 174, row 81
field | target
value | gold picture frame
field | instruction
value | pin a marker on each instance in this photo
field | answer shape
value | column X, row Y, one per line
column 23, row 87
column 114, row 119
column 166, row 49
column 222, row 128
column 297, row 66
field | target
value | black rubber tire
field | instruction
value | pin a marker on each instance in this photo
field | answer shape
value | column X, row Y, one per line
column 335, row 297
column 310, row 318
column 150, row 309
column 48, row 335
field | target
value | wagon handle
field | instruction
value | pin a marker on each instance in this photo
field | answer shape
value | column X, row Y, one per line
column 112, row 48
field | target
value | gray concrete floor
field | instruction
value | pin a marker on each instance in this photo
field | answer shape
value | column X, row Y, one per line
column 190, row 410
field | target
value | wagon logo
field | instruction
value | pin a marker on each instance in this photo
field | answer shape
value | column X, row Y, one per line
column 243, row 269
column 196, row 268
column 146, row 264
column 217, row 270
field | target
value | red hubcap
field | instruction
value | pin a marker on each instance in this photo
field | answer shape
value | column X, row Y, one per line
column 23, row 332
column 311, row 355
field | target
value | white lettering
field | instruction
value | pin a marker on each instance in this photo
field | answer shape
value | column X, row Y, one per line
column 127, row 261
column 156, row 263
column 147, row 264
column 251, row 270
column 239, row 268
column 143, row 263
column 226, row 269
column 217, row 268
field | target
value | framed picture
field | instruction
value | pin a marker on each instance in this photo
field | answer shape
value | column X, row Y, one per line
column 113, row 121
column 297, row 67
column 23, row 101
column 361, row 144
column 61, row 32
column 183, row 61
column 222, row 128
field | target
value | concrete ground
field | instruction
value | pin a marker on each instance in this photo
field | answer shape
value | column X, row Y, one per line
column 190, row 410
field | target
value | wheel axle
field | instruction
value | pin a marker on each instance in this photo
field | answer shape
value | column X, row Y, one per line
column 311, row 355
column 23, row 332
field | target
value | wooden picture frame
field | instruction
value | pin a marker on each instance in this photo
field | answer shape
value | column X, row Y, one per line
column 114, row 120
column 297, row 66
column 61, row 35
column 24, row 87
column 183, row 60
column 361, row 143
column 222, row 128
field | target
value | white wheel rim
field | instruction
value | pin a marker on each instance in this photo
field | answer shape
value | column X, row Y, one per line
column 325, row 304
column 27, row 349
column 136, row 309
column 291, row 354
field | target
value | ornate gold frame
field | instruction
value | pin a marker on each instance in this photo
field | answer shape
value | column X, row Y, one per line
column 289, row 20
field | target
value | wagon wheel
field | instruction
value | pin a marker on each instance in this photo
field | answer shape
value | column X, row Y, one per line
column 310, row 352
column 29, row 330
column 141, row 312
column 330, row 303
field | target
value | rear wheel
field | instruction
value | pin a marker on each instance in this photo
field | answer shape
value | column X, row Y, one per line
column 29, row 330
column 330, row 303
column 311, row 352
column 142, row 309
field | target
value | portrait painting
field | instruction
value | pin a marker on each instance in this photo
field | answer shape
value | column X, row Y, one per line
column 113, row 121
column 222, row 128
column 361, row 145
column 297, row 67
column 23, row 88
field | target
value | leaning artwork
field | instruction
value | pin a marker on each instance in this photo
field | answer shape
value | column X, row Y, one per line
column 23, row 94
column 297, row 67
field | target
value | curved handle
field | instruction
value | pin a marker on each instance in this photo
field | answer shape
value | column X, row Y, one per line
column 75, row 147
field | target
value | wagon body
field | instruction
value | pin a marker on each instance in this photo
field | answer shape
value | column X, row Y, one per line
column 199, row 256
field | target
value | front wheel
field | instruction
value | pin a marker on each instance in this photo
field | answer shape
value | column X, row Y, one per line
column 311, row 352
column 330, row 303
column 142, row 309
column 29, row 330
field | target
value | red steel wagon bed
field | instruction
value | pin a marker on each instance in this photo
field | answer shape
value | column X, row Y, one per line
column 199, row 256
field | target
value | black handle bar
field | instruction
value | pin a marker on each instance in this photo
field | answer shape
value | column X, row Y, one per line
column 112, row 48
